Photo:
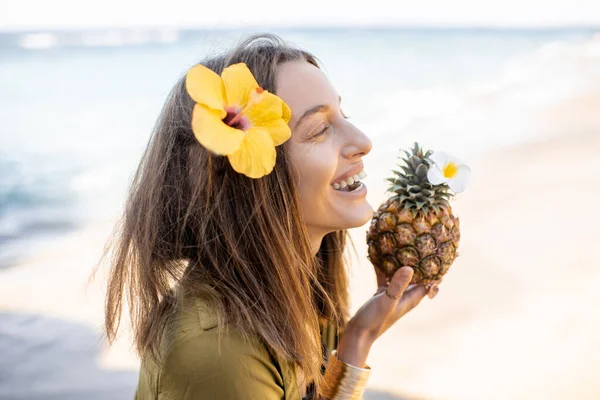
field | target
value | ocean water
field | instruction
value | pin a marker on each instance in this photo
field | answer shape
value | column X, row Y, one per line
column 77, row 108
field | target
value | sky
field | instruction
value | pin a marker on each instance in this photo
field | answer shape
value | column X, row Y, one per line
column 61, row 14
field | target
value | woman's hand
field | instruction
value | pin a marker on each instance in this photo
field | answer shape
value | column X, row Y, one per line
column 379, row 313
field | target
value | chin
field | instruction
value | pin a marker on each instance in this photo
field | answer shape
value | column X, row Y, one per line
column 359, row 216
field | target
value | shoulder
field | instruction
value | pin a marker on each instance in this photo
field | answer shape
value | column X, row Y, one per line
column 222, row 363
column 198, row 338
column 209, row 349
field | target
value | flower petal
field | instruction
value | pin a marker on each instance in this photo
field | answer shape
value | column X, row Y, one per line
column 439, row 158
column 455, row 160
column 267, row 111
column 256, row 156
column 279, row 130
column 287, row 112
column 435, row 176
column 239, row 84
column 265, row 107
column 460, row 182
column 206, row 87
column 213, row 133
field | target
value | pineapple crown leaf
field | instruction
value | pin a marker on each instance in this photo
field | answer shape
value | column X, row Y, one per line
column 411, row 185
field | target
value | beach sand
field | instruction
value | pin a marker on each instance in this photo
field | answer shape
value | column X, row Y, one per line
column 516, row 317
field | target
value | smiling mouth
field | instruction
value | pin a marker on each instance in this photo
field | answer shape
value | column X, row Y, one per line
column 350, row 184
column 351, row 188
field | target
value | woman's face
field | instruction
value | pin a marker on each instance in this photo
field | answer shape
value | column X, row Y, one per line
column 326, row 150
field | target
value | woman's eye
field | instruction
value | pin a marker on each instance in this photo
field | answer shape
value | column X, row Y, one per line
column 322, row 131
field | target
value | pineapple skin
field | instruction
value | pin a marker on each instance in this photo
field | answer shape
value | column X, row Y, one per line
column 427, row 241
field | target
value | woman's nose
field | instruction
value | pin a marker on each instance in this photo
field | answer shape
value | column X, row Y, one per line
column 358, row 144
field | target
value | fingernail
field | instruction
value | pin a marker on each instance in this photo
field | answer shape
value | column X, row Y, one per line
column 433, row 291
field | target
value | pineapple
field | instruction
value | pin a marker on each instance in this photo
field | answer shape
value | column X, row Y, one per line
column 415, row 227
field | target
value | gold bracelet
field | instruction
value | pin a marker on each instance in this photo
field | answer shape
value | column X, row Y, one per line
column 343, row 381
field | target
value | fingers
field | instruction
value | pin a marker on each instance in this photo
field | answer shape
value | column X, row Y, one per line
column 413, row 297
column 381, row 279
column 433, row 291
column 433, row 288
column 399, row 282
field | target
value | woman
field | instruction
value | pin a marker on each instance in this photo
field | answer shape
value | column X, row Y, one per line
column 232, row 264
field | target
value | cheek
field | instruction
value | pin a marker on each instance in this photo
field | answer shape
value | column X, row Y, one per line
column 316, row 165
column 316, row 172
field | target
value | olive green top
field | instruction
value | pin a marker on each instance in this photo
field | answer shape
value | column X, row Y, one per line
column 195, row 369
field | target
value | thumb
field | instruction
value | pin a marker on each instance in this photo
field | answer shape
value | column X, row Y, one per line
column 399, row 283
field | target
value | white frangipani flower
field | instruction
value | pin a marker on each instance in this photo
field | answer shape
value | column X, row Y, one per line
column 449, row 170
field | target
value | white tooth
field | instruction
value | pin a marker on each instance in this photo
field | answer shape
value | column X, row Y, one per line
column 362, row 175
column 350, row 181
column 356, row 178
column 336, row 186
column 343, row 184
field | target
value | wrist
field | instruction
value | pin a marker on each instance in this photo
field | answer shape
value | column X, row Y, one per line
column 354, row 347
column 343, row 381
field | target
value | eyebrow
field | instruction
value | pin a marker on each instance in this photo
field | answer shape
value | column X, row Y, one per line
column 314, row 110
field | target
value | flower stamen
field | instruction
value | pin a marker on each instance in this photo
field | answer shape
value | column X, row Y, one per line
column 234, row 120
column 251, row 101
column 450, row 170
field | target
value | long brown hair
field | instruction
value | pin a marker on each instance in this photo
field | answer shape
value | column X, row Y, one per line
column 192, row 225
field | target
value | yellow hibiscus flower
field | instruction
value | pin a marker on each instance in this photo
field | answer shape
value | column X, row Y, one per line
column 234, row 116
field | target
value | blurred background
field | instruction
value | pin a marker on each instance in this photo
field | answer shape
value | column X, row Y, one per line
column 511, row 87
